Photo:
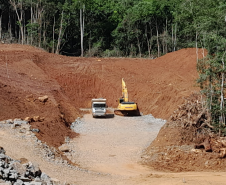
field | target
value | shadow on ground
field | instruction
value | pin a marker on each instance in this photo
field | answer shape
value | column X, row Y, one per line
column 108, row 116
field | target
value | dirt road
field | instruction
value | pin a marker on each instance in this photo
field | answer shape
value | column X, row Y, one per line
column 114, row 145
column 108, row 152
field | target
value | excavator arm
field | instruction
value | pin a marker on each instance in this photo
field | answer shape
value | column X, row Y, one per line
column 124, row 91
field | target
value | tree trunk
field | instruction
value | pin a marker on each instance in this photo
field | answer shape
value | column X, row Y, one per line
column 166, row 49
column 151, row 34
column 19, row 17
column 31, row 36
column 138, row 43
column 44, row 35
column 222, row 93
column 149, row 50
column 24, row 32
column 1, row 27
column 172, row 39
column 163, row 42
column 22, row 35
column 21, row 23
column 81, row 28
column 196, row 46
column 40, row 32
column 53, row 49
column 60, row 32
column 157, row 39
column 10, row 29
column 82, row 22
column 40, row 24
column 175, row 38
column 90, row 43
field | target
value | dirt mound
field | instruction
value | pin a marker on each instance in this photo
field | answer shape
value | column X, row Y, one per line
column 186, row 142
column 21, row 83
column 27, row 73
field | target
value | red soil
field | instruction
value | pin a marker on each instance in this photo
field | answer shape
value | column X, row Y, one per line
column 158, row 86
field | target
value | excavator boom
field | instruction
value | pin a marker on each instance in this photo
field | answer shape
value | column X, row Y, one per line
column 126, row 108
column 124, row 91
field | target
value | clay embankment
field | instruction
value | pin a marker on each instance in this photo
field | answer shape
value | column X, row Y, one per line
column 158, row 86
column 26, row 73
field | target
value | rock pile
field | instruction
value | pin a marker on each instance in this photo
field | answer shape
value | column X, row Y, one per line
column 18, row 172
column 57, row 156
column 21, row 128
column 22, row 124
column 14, row 123
column 76, row 122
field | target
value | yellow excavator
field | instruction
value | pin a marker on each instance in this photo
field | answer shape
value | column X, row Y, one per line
column 126, row 108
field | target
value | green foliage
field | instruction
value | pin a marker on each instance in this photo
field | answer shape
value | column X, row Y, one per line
column 202, row 23
column 112, row 53
column 139, row 27
column 135, row 27
column 122, row 24
column 95, row 50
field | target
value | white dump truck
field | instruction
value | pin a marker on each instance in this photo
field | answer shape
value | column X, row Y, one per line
column 99, row 107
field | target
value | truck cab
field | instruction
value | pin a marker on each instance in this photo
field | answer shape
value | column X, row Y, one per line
column 99, row 107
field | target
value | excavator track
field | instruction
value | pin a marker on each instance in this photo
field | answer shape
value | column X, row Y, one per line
column 127, row 113
column 119, row 113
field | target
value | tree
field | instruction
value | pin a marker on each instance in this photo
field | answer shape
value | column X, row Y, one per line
column 212, row 68
column 18, row 7
column 145, row 25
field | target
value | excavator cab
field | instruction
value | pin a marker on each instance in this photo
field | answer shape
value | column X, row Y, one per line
column 121, row 100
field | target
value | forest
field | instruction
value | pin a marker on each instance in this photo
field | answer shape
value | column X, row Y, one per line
column 127, row 28
column 111, row 28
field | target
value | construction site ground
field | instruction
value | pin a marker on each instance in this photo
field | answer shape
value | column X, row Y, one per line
column 109, row 151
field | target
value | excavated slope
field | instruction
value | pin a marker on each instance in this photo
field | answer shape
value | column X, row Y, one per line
column 158, row 86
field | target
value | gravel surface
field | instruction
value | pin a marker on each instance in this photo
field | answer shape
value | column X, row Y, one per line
column 113, row 145
column 108, row 150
